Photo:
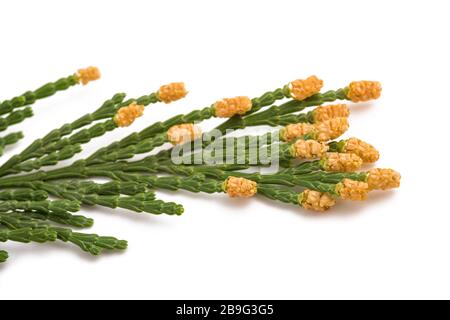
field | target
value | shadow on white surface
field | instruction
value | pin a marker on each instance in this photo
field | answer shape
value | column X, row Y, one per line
column 28, row 251
column 357, row 108
column 221, row 199
column 348, row 208
column 342, row 208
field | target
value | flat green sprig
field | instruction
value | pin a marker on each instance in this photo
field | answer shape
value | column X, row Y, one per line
column 42, row 200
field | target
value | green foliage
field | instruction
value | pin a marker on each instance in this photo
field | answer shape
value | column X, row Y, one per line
column 39, row 204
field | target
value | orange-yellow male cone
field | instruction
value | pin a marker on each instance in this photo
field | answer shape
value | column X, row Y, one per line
column 296, row 130
column 321, row 131
column 304, row 88
column 352, row 190
column 364, row 150
column 228, row 107
column 315, row 200
column 308, row 149
column 183, row 133
column 172, row 92
column 383, row 179
column 125, row 116
column 341, row 162
column 324, row 113
column 237, row 187
column 360, row 91
column 331, row 129
column 87, row 75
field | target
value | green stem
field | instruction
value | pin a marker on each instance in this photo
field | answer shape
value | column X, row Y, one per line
column 53, row 141
column 334, row 177
column 274, row 115
column 195, row 183
column 23, row 194
column 41, row 146
column 66, row 218
column 113, row 155
column 90, row 243
column 109, row 188
column 50, row 159
column 284, row 177
column 26, row 235
column 158, row 129
column 42, row 206
column 140, row 202
column 278, row 193
column 200, row 183
column 153, row 130
column 10, row 138
column 30, row 97
column 15, row 117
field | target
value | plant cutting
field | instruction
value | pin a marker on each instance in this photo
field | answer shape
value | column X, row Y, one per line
column 39, row 203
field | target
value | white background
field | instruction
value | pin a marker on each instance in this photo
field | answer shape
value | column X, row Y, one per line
column 395, row 245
